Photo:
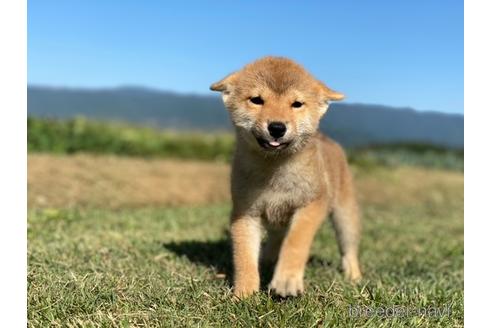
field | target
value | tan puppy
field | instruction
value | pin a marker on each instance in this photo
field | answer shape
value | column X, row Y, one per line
column 286, row 176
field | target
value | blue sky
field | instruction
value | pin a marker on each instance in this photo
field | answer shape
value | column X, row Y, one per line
column 398, row 53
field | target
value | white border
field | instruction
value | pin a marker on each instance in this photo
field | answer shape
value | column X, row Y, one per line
column 13, row 181
column 478, row 195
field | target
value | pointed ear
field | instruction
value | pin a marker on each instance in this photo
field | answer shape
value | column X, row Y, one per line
column 224, row 84
column 329, row 94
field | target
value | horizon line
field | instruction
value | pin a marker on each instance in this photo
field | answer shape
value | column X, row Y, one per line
column 214, row 95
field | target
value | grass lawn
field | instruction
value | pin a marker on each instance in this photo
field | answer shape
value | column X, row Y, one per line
column 154, row 266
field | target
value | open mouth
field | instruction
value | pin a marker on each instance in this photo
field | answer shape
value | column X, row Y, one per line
column 271, row 144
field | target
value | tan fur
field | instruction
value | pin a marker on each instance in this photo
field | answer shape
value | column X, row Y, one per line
column 287, row 190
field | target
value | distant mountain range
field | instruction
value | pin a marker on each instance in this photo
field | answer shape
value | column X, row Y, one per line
column 350, row 124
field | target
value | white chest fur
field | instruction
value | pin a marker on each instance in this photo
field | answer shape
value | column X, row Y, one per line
column 274, row 193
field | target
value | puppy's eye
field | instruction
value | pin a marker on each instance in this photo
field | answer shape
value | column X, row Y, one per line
column 256, row 100
column 297, row 104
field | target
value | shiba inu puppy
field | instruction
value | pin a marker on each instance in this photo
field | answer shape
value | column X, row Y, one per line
column 286, row 176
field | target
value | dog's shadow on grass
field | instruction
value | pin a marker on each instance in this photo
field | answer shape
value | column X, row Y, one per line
column 217, row 254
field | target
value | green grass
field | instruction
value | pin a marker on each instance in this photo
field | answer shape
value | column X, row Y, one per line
column 162, row 267
column 393, row 155
column 82, row 135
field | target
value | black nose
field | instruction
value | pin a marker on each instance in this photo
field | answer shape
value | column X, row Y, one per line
column 277, row 129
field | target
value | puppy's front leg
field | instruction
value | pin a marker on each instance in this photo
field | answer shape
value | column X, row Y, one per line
column 289, row 272
column 246, row 239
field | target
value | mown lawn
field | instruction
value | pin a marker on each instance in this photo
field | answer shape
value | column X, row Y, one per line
column 171, row 267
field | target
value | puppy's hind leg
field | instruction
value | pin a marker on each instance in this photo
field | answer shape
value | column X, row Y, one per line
column 345, row 219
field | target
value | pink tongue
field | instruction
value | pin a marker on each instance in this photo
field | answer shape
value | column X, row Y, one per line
column 274, row 143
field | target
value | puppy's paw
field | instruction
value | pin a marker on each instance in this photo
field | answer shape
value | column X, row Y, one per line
column 287, row 284
column 351, row 269
column 242, row 291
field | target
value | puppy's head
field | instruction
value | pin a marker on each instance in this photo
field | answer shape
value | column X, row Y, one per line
column 275, row 104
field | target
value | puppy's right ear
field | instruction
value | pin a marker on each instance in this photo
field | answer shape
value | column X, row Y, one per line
column 224, row 84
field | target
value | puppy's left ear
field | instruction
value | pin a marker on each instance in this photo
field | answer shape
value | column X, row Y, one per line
column 329, row 94
column 224, row 84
